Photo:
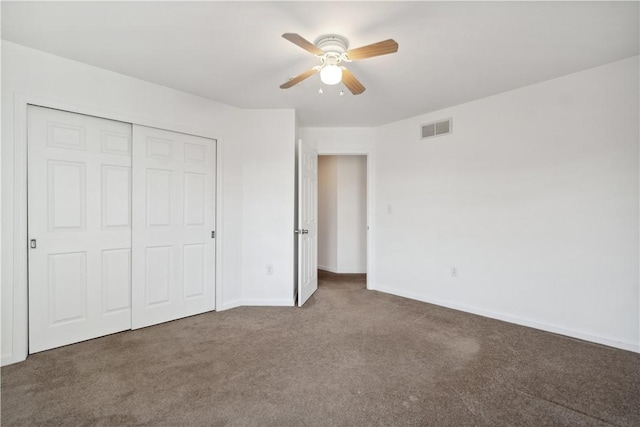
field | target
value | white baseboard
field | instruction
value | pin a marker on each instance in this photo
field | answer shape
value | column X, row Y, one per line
column 268, row 302
column 611, row 342
column 230, row 304
column 329, row 269
column 336, row 271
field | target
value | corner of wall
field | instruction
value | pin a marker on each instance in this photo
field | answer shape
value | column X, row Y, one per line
column 519, row 208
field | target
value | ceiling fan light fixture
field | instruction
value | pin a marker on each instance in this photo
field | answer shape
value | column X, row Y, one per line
column 331, row 74
column 332, row 49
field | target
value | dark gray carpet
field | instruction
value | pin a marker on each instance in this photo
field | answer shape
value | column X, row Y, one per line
column 349, row 357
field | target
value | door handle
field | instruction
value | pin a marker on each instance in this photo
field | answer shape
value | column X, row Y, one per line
column 32, row 244
column 301, row 231
column 305, row 231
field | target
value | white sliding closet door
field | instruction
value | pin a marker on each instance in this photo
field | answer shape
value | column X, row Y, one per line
column 174, row 221
column 79, row 208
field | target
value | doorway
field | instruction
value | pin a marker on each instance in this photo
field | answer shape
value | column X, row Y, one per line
column 342, row 215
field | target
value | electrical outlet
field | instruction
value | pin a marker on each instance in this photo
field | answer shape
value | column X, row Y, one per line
column 454, row 272
column 269, row 269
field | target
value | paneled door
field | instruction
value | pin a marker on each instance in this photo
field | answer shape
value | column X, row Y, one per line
column 308, row 222
column 173, row 226
column 79, row 209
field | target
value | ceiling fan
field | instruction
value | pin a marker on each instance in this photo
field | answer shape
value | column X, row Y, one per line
column 332, row 50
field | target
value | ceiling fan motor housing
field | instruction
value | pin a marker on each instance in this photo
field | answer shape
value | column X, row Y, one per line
column 332, row 43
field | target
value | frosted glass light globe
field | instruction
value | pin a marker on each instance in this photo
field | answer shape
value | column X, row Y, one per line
column 331, row 75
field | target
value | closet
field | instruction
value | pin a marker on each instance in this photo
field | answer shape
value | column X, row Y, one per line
column 121, row 222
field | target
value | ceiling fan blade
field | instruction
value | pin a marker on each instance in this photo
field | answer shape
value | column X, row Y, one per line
column 297, row 79
column 303, row 43
column 371, row 50
column 351, row 82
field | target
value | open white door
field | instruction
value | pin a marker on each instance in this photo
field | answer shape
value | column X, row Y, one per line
column 173, row 225
column 307, row 222
column 79, row 195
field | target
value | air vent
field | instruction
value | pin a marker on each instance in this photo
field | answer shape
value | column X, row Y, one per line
column 432, row 129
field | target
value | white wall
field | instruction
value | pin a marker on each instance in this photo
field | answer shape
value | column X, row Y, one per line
column 534, row 199
column 328, row 213
column 340, row 140
column 28, row 74
column 352, row 214
column 268, row 172
column 4, row 357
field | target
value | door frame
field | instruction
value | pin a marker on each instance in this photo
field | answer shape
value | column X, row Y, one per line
column 20, row 289
column 369, row 154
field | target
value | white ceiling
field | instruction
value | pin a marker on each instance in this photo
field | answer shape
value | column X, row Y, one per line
column 232, row 52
